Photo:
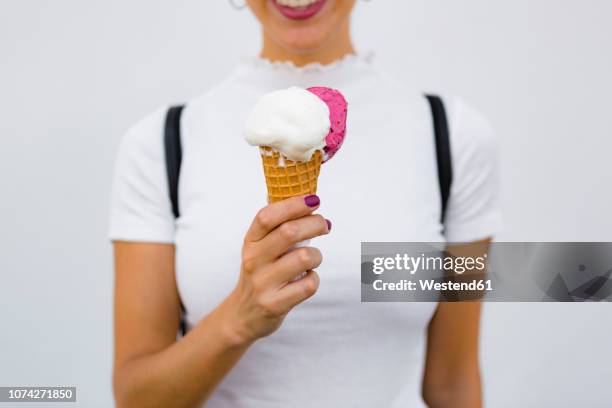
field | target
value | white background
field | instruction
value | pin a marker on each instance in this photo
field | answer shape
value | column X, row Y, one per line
column 75, row 74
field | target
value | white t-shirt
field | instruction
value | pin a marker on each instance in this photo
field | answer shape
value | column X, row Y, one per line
column 382, row 185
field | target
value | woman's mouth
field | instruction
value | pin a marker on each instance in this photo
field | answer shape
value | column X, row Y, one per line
column 299, row 9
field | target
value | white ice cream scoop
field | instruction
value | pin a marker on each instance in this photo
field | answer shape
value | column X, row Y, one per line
column 293, row 121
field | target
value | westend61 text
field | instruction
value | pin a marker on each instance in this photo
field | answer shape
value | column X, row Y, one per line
column 433, row 285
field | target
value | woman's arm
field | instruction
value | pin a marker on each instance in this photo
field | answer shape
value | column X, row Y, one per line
column 452, row 373
column 152, row 368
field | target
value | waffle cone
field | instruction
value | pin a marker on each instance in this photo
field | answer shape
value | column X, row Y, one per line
column 286, row 178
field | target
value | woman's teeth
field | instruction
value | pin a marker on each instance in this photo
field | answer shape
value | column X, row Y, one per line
column 296, row 3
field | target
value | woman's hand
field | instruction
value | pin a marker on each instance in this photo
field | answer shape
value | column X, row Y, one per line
column 269, row 287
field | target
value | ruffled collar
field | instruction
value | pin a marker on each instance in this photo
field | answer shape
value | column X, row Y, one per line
column 262, row 75
column 313, row 67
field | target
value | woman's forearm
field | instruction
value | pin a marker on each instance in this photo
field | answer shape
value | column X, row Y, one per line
column 461, row 393
column 184, row 374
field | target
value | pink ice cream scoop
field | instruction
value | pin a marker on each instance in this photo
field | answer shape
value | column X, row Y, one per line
column 337, row 117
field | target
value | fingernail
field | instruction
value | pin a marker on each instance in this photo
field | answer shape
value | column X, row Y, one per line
column 329, row 224
column 312, row 200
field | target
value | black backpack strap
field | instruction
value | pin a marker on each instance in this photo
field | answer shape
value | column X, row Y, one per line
column 174, row 153
column 174, row 157
column 443, row 150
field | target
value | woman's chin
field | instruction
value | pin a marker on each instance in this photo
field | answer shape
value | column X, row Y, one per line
column 301, row 40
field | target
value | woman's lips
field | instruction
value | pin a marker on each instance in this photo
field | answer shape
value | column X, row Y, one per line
column 300, row 13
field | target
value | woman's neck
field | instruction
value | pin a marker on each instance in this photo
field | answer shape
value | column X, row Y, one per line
column 336, row 48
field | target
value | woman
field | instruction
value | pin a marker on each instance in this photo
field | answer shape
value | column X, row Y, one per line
column 256, row 337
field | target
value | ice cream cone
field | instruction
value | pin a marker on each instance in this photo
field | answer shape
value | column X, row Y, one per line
column 286, row 178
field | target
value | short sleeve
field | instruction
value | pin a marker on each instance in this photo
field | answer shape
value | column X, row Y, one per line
column 473, row 211
column 140, row 204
